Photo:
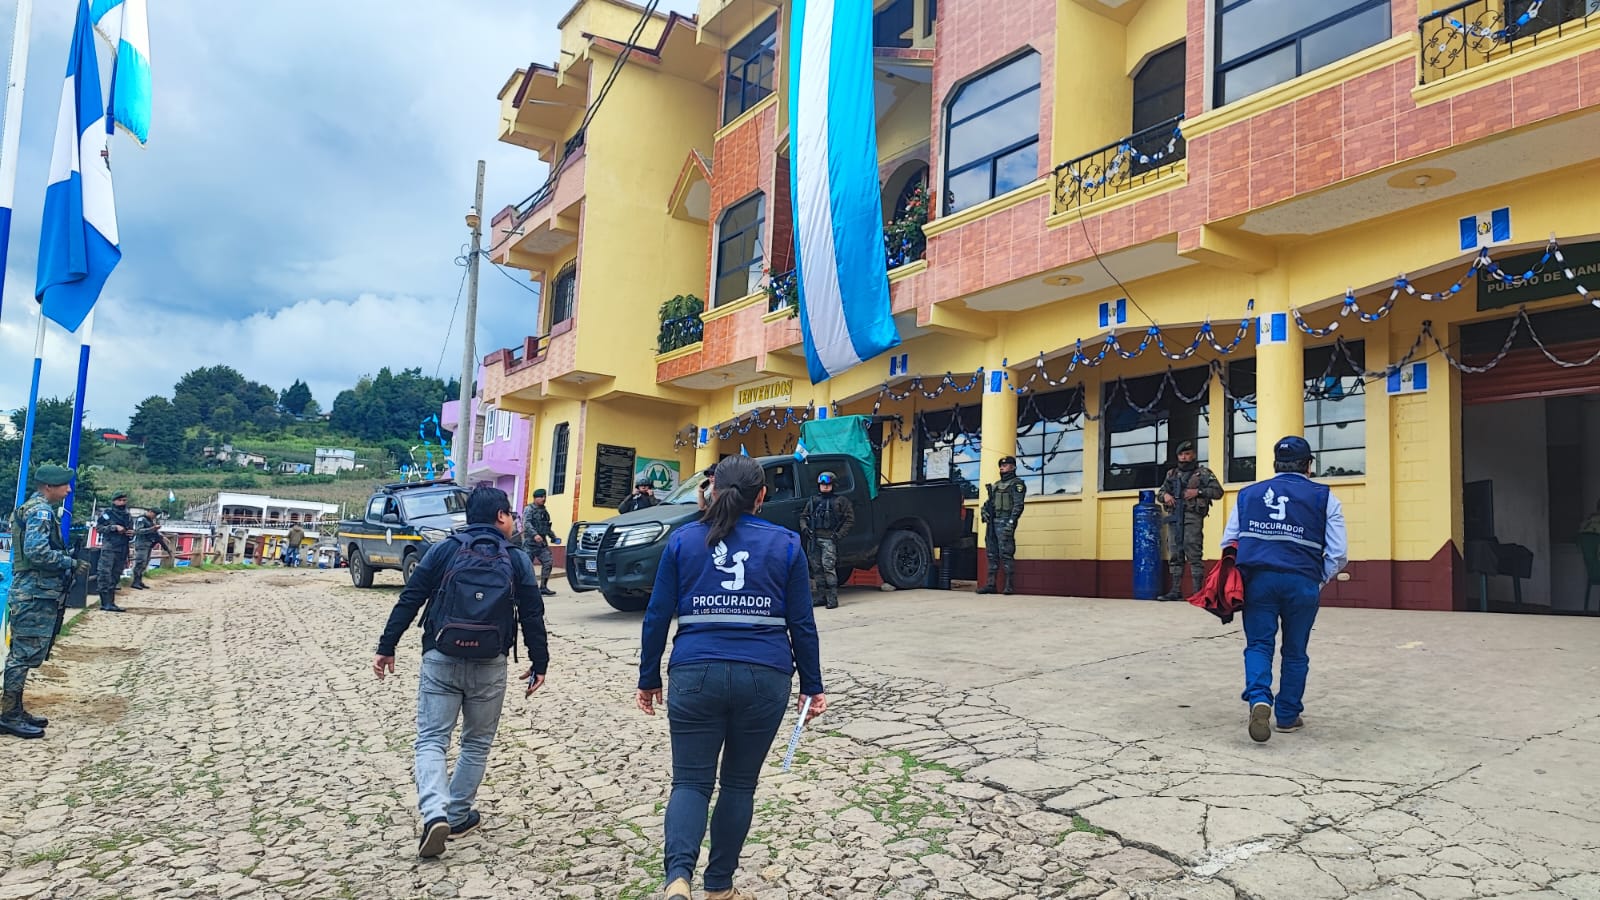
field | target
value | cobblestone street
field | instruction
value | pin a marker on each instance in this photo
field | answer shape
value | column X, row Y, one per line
column 226, row 738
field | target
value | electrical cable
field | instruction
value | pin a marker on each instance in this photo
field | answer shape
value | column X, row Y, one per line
column 459, row 291
column 1125, row 292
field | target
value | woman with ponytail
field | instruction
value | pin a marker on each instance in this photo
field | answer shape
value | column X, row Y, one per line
column 740, row 589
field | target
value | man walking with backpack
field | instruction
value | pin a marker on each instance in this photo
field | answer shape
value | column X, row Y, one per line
column 476, row 586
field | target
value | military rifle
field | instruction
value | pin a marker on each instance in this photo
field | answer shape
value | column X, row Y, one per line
column 80, row 537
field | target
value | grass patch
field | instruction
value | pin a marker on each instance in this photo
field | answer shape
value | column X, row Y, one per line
column 1079, row 823
column 52, row 855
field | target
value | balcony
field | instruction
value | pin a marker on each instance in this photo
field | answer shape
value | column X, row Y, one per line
column 903, row 244
column 722, row 20
column 543, row 226
column 1480, row 32
column 1139, row 158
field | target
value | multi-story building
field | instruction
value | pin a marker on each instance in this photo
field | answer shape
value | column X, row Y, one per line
column 1150, row 221
column 498, row 446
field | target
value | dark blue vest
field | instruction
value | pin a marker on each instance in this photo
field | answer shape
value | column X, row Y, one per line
column 1283, row 525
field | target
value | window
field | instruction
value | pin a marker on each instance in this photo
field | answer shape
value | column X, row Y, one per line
column 751, row 63
column 739, row 256
column 558, row 461
column 1158, row 89
column 375, row 508
column 1335, row 414
column 1050, row 443
column 1261, row 43
column 992, row 143
column 1144, row 421
column 781, row 484
column 564, row 296
column 948, row 444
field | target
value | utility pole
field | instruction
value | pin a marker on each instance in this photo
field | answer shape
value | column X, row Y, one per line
column 461, row 441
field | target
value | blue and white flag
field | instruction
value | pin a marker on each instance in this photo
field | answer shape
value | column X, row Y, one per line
column 125, row 24
column 841, row 273
column 78, row 244
column 801, row 454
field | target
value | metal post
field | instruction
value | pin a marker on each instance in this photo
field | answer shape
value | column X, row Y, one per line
column 462, row 439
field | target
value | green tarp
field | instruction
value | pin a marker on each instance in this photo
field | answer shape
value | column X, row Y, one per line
column 845, row 434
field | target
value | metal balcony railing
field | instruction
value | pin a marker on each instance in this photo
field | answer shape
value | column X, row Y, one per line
column 1479, row 32
column 1136, row 159
column 782, row 288
column 547, row 190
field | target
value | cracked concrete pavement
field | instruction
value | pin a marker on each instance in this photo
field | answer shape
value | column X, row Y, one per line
column 226, row 739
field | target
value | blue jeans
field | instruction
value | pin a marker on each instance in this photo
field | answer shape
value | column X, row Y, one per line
column 726, row 709
column 474, row 690
column 1270, row 598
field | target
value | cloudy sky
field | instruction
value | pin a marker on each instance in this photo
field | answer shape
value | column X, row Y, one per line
column 299, row 209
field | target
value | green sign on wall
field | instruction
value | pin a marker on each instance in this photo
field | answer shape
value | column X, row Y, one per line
column 1582, row 259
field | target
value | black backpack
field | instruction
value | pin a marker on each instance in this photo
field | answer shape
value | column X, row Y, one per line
column 476, row 616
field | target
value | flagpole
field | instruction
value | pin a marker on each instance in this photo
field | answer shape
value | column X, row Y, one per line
column 33, row 412
column 11, row 139
column 76, row 436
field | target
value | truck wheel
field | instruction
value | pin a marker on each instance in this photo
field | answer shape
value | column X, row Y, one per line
column 360, row 572
column 629, row 603
column 408, row 566
column 903, row 560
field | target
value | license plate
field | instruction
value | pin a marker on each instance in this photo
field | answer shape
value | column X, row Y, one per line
column 588, row 566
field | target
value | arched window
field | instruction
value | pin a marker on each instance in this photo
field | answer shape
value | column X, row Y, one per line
column 739, row 256
column 564, row 295
column 992, row 135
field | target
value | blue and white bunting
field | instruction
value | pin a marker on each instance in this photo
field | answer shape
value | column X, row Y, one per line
column 78, row 243
column 842, row 276
column 125, row 24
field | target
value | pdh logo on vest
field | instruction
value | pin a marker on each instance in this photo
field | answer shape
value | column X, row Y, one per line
column 1278, row 505
column 731, row 565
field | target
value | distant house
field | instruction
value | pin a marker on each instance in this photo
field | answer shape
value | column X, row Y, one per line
column 294, row 468
column 112, row 437
column 331, row 461
column 241, row 458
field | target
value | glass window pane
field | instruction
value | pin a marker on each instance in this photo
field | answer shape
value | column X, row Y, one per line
column 1257, row 24
column 1345, row 37
column 1161, row 72
column 1016, row 169
column 989, row 89
column 966, row 189
column 1154, row 110
column 731, row 287
column 1007, row 124
column 1258, row 75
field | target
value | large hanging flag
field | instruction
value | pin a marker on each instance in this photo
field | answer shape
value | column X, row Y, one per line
column 842, row 275
column 78, row 244
column 125, row 24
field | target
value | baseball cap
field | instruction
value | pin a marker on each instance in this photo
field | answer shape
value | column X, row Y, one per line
column 1291, row 449
column 53, row 475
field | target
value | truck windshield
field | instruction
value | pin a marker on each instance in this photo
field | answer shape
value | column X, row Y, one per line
column 685, row 491
column 443, row 503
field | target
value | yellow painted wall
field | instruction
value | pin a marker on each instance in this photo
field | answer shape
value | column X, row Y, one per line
column 1094, row 96
column 908, row 123
column 552, row 413
column 605, row 19
column 1156, row 26
column 635, row 255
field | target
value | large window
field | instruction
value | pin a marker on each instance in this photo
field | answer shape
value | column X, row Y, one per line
column 739, row 256
column 1261, row 43
column 751, row 63
column 1144, row 421
column 1158, row 88
column 1335, row 414
column 564, row 295
column 993, row 137
column 558, row 460
column 948, row 445
column 1050, row 442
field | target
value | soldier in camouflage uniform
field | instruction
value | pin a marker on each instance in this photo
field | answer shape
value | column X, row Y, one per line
column 826, row 519
column 1002, row 511
column 537, row 536
column 1198, row 486
column 39, row 566
column 145, row 534
column 115, row 528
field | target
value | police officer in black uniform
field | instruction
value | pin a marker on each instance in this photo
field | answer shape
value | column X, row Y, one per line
column 826, row 519
column 115, row 527
column 641, row 498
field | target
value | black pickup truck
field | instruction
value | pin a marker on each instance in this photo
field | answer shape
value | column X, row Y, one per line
column 895, row 531
column 402, row 521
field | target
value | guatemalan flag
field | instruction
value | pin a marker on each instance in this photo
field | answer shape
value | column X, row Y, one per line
column 125, row 24
column 842, row 274
column 78, row 237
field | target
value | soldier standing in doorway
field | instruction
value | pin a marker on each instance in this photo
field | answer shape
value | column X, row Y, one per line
column 1001, row 512
column 115, row 527
column 1186, row 494
column 538, row 535
column 40, row 568
column 826, row 519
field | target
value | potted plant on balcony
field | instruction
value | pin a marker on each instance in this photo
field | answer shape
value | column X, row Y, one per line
column 903, row 238
column 680, row 323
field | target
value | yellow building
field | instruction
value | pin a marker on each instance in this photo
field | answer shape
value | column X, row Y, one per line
column 1232, row 204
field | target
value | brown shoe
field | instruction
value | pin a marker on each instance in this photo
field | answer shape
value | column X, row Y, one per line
column 678, row 888
column 729, row 894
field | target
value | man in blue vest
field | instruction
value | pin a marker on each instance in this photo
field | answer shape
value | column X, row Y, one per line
column 1290, row 539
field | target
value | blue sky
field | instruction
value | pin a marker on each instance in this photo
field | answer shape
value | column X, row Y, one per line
column 301, row 202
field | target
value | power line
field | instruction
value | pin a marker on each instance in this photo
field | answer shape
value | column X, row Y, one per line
column 507, row 273
column 460, row 261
